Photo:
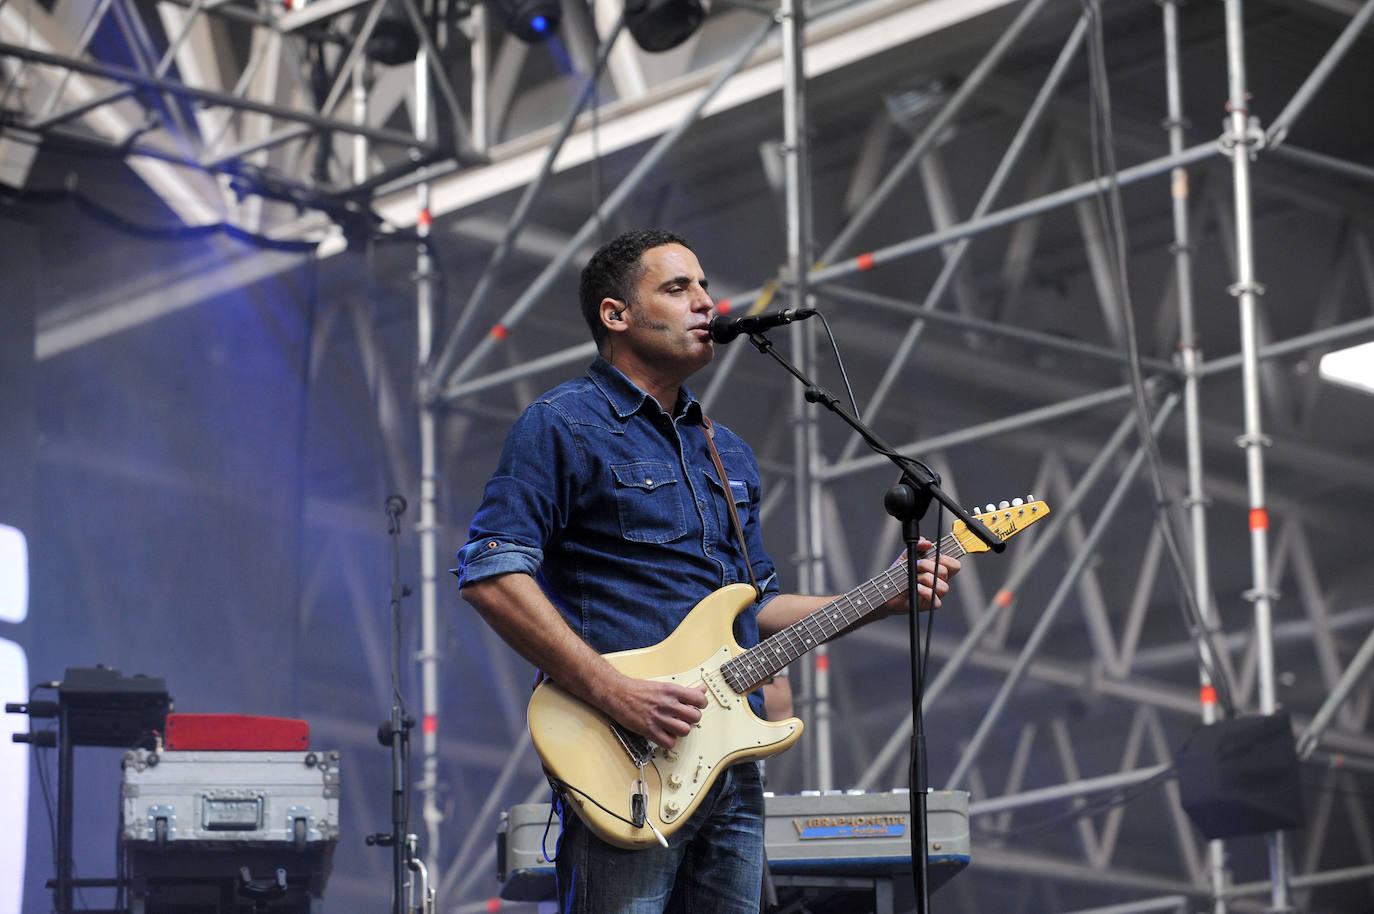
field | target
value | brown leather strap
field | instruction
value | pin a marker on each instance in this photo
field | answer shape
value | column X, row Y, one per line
column 730, row 501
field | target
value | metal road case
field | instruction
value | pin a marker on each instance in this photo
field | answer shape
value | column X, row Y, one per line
column 228, row 832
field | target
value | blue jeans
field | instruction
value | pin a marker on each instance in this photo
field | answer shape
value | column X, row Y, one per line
column 713, row 864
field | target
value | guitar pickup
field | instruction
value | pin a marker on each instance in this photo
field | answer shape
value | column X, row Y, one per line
column 716, row 686
column 715, row 682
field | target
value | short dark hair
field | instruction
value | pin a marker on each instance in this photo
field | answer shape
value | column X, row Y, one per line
column 614, row 271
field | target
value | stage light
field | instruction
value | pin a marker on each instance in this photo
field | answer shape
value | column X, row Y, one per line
column 393, row 40
column 659, row 25
column 530, row 20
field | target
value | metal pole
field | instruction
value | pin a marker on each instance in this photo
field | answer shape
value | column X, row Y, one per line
column 66, row 783
column 479, row 64
column 427, row 526
column 1077, row 192
column 1063, row 409
column 617, row 197
column 1190, row 357
column 1043, row 339
column 1066, row 791
column 791, row 18
column 1339, row 693
column 1056, row 602
column 1240, row 136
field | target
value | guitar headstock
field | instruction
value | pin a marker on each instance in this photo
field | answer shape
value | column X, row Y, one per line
column 1006, row 520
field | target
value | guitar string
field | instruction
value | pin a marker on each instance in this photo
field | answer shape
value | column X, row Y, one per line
column 801, row 636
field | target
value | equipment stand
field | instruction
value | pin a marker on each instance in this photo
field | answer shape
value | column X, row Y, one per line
column 909, row 505
column 395, row 731
column 907, row 501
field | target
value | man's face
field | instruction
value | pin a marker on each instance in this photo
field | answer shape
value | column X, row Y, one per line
column 667, row 319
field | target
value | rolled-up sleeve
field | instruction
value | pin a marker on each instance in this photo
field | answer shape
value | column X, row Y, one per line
column 489, row 558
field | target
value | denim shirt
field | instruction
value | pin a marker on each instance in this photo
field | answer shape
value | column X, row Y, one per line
column 617, row 510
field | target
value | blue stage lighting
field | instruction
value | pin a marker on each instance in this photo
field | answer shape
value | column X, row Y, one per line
column 529, row 20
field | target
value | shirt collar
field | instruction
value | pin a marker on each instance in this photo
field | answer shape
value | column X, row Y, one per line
column 627, row 399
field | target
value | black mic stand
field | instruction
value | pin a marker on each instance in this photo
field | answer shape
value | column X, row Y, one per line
column 395, row 731
column 907, row 501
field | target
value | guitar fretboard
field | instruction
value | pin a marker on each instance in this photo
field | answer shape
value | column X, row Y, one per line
column 761, row 662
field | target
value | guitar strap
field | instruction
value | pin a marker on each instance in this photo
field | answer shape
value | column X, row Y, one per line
column 729, row 500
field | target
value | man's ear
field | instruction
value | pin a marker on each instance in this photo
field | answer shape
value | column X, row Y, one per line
column 613, row 314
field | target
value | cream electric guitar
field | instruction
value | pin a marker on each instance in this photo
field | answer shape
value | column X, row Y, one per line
column 632, row 792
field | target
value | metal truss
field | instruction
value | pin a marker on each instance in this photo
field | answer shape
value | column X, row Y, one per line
column 1113, row 669
column 1001, row 661
column 306, row 124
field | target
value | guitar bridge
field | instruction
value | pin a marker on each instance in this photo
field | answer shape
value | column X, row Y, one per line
column 639, row 749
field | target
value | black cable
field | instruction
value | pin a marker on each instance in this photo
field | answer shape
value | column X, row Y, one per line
column 564, row 785
column 839, row 361
column 1111, row 213
column 46, row 791
column 101, row 213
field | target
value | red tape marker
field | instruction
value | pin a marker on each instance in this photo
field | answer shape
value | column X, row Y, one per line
column 1259, row 518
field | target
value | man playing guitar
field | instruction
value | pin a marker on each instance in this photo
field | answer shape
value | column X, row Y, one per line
column 608, row 518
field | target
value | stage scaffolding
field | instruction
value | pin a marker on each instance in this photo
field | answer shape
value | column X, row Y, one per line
column 457, row 363
column 1241, row 142
column 803, row 283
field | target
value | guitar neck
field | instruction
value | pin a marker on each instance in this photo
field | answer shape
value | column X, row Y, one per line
column 763, row 661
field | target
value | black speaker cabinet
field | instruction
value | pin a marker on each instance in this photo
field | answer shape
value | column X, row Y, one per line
column 1240, row 777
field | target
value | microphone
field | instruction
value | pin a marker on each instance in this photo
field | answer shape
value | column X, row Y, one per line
column 395, row 505
column 724, row 329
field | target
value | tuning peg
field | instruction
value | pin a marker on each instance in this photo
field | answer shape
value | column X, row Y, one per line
column 1030, row 498
column 1002, row 506
column 1016, row 502
column 989, row 508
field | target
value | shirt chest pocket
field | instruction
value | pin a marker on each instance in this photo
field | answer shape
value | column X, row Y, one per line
column 649, row 501
column 739, row 494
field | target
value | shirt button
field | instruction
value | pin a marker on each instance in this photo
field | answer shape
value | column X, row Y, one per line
column 491, row 545
column 648, row 480
column 710, row 550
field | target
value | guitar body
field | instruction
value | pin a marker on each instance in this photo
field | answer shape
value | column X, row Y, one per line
column 579, row 746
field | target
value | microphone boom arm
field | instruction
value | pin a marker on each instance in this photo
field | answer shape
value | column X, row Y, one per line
column 912, row 470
